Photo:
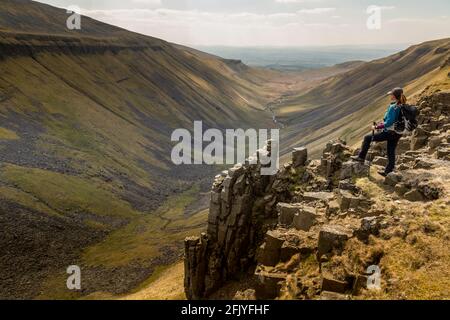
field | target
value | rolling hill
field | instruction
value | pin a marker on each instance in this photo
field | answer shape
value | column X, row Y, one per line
column 85, row 124
column 85, row 171
column 343, row 106
column 347, row 104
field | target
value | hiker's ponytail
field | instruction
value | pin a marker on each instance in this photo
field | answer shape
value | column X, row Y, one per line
column 402, row 100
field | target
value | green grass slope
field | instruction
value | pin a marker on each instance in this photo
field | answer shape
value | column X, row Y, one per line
column 85, row 124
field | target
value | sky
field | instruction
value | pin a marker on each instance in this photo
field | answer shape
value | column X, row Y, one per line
column 273, row 23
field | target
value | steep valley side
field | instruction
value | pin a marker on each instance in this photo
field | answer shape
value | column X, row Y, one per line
column 85, row 122
column 244, row 236
column 346, row 105
column 85, row 171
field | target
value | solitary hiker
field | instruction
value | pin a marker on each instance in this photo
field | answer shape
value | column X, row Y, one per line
column 387, row 134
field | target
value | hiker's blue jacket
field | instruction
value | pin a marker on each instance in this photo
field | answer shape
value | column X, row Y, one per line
column 390, row 117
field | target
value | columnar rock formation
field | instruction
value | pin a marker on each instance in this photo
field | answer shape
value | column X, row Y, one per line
column 241, row 201
column 276, row 227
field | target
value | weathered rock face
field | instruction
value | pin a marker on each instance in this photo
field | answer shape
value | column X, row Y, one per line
column 414, row 195
column 269, row 284
column 317, row 196
column 332, row 285
column 287, row 211
column 241, row 201
column 392, row 179
column 433, row 120
column 357, row 203
column 194, row 262
column 334, row 155
column 299, row 157
column 354, row 169
column 270, row 251
column 369, row 226
column 419, row 138
column 415, row 186
column 305, row 219
column 237, row 208
column 244, row 205
column 249, row 294
column 403, row 145
column 309, row 213
column 443, row 153
column 332, row 238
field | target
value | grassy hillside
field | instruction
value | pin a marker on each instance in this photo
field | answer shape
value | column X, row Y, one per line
column 350, row 128
column 347, row 104
column 86, row 118
column 85, row 124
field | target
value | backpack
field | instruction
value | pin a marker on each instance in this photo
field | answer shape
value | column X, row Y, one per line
column 407, row 120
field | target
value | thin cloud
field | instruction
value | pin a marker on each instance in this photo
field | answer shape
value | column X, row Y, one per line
column 387, row 7
column 311, row 26
column 316, row 10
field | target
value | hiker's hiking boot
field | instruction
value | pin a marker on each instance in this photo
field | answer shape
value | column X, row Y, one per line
column 357, row 159
column 382, row 173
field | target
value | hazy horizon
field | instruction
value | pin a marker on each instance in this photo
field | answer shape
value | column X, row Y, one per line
column 272, row 23
column 298, row 58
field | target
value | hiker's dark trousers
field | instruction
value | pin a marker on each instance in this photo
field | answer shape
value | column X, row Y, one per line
column 392, row 139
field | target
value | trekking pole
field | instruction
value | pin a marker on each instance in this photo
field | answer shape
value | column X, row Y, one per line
column 373, row 131
column 371, row 141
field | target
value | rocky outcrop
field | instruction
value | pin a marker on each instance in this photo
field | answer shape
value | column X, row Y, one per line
column 244, row 205
column 299, row 157
column 415, row 186
column 332, row 238
column 277, row 227
column 334, row 155
column 242, row 200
